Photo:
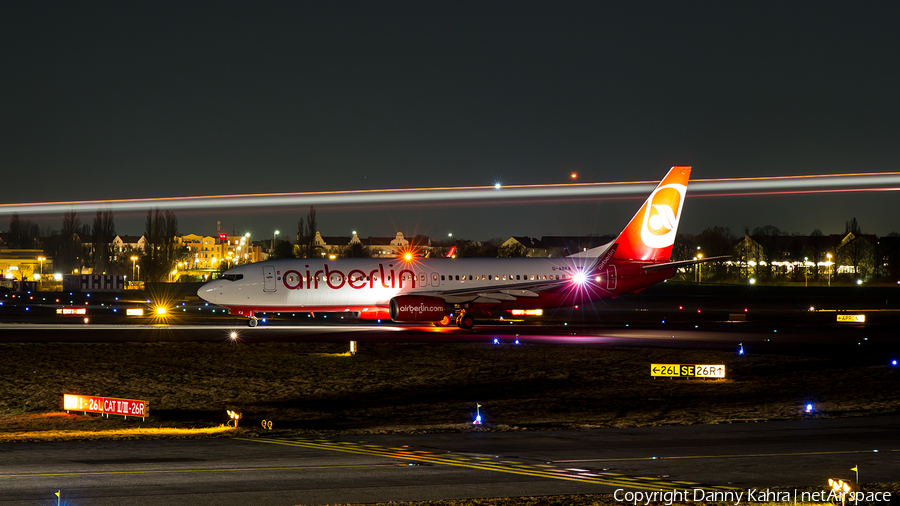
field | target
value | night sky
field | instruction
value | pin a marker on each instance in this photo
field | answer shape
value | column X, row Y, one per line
column 130, row 99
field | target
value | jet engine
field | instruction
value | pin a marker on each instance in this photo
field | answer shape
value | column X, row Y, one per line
column 415, row 308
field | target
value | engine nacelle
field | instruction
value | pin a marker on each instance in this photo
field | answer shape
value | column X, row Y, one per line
column 415, row 308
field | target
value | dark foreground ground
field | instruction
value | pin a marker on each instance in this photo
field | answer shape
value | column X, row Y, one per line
column 586, row 367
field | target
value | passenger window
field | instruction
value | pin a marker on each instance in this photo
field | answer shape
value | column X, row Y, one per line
column 504, row 277
column 442, row 277
column 517, row 277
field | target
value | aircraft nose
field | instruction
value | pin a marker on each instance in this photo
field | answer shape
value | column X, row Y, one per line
column 208, row 292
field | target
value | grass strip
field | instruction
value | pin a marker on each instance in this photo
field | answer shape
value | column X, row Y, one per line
column 316, row 389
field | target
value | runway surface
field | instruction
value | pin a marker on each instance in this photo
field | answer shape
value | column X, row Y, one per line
column 281, row 472
column 873, row 345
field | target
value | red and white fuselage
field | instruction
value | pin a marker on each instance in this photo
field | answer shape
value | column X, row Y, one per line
column 428, row 289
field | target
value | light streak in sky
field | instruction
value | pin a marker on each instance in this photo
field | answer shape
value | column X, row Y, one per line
column 825, row 183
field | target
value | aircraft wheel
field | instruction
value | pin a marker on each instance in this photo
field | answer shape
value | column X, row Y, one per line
column 252, row 322
column 444, row 322
column 466, row 322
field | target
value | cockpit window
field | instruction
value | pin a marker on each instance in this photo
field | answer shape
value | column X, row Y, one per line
column 233, row 277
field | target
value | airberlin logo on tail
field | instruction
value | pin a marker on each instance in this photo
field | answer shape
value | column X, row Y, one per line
column 661, row 215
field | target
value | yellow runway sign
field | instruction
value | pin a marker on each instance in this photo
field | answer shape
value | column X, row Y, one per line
column 687, row 371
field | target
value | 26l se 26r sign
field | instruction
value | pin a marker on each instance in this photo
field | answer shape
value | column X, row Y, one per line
column 687, row 370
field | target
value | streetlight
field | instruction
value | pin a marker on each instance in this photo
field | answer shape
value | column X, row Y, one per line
column 41, row 279
column 805, row 271
column 133, row 264
column 274, row 239
column 699, row 267
column 829, row 268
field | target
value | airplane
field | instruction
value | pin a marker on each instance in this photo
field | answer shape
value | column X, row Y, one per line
column 449, row 290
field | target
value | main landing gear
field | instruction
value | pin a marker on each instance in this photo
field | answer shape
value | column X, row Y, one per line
column 465, row 321
column 252, row 321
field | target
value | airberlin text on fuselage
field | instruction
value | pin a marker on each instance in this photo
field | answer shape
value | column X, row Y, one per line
column 356, row 279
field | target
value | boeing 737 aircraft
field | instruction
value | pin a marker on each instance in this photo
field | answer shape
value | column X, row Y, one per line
column 445, row 290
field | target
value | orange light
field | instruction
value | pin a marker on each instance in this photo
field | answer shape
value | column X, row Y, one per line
column 574, row 175
column 408, row 256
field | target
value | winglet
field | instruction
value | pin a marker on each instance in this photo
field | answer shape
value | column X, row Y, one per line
column 651, row 233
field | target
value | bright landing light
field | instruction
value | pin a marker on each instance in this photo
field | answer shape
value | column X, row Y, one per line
column 160, row 310
column 579, row 278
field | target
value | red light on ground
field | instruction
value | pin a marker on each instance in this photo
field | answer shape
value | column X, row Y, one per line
column 698, row 310
column 745, row 310
column 576, row 307
column 680, row 307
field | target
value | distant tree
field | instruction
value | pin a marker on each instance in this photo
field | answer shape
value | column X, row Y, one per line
column 103, row 233
column 489, row 249
column 23, row 234
column 283, row 249
column 68, row 253
column 685, row 247
column 306, row 235
column 514, row 250
column 852, row 227
column 356, row 250
column 715, row 241
column 311, row 233
column 15, row 231
column 301, row 239
column 161, row 253
column 816, row 249
column 772, row 241
column 854, row 250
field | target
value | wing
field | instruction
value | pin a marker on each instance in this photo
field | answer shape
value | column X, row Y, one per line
column 494, row 295
column 683, row 263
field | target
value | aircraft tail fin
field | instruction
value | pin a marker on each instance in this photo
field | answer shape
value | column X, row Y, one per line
column 650, row 235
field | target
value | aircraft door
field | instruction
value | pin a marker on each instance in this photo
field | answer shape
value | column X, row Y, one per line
column 611, row 277
column 269, row 284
